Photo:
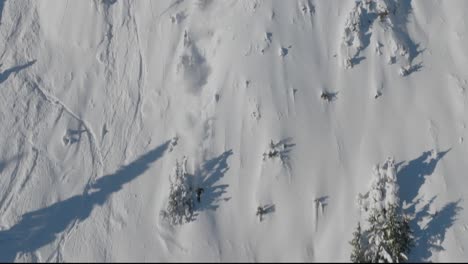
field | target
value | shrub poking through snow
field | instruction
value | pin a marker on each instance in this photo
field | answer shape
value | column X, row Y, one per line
column 328, row 96
column 404, row 71
column 348, row 63
column 180, row 206
column 173, row 143
column 280, row 150
column 272, row 152
column 264, row 210
column 378, row 94
column 388, row 237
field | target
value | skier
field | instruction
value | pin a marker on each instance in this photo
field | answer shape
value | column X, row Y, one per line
column 260, row 212
column 199, row 192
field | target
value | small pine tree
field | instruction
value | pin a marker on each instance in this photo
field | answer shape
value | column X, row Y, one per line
column 180, row 206
column 357, row 255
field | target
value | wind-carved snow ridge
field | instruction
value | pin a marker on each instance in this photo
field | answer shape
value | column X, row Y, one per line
column 392, row 17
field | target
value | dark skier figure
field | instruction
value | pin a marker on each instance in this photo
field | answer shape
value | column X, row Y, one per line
column 199, row 192
column 260, row 212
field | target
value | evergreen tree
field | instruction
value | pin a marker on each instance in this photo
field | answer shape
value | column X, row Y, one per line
column 180, row 206
column 357, row 255
column 375, row 237
column 388, row 238
column 397, row 235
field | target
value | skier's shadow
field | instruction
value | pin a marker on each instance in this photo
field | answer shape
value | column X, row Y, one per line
column 41, row 227
column 286, row 145
column 411, row 177
column 210, row 173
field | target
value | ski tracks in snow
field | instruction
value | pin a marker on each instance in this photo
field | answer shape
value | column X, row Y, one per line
column 96, row 156
column 17, row 183
column 95, row 151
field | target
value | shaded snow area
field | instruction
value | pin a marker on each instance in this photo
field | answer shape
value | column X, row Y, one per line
column 234, row 130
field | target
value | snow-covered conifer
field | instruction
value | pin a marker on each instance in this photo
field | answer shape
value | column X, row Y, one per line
column 180, row 206
column 357, row 255
column 388, row 237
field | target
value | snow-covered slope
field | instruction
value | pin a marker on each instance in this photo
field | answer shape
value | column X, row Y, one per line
column 98, row 99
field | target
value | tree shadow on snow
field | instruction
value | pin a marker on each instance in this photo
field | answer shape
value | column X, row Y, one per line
column 412, row 176
column 429, row 237
column 367, row 19
column 357, row 60
column 211, row 172
column 5, row 74
column 41, row 227
column 285, row 145
column 415, row 68
column 269, row 209
column 321, row 202
column 401, row 14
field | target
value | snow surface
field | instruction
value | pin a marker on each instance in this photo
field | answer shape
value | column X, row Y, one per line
column 98, row 99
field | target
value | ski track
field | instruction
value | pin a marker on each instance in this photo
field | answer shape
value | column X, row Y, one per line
column 96, row 157
column 8, row 196
column 141, row 78
column 94, row 149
